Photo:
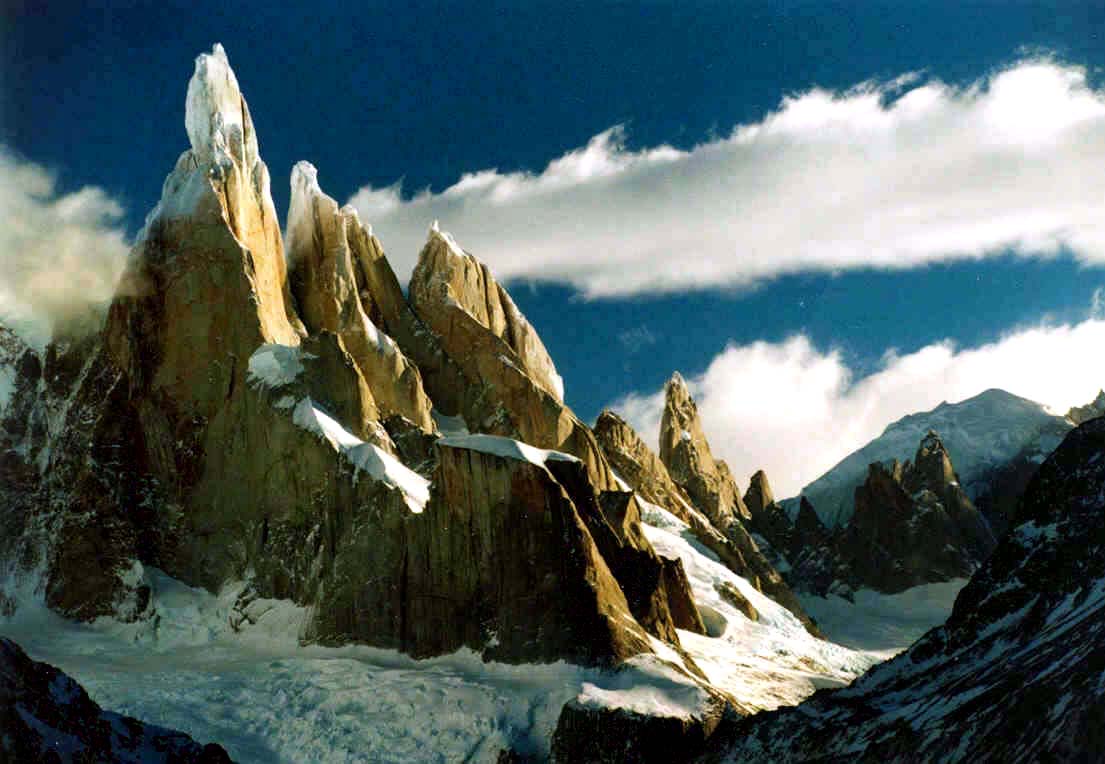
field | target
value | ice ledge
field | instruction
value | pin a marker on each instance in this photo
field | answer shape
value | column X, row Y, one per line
column 509, row 448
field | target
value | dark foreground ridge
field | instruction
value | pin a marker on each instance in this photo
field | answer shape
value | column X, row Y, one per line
column 46, row 716
column 1016, row 674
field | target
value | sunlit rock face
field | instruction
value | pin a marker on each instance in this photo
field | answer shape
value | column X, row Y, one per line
column 323, row 249
column 514, row 390
column 686, row 453
column 446, row 272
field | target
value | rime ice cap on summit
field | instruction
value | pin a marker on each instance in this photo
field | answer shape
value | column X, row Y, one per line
column 215, row 114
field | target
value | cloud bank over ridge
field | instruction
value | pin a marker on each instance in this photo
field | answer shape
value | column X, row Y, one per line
column 60, row 254
column 891, row 174
column 795, row 410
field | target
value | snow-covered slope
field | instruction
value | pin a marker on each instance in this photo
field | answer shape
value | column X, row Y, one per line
column 981, row 434
column 763, row 663
column 218, row 670
column 885, row 624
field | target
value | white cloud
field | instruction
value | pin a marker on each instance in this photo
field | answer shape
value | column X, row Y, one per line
column 795, row 411
column 59, row 254
column 890, row 175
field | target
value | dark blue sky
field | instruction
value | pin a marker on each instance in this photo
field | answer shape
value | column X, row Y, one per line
column 426, row 92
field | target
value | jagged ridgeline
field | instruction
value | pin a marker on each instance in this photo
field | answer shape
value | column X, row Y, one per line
column 274, row 409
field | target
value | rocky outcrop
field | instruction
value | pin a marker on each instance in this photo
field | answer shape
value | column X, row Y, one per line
column 525, row 581
column 759, row 496
column 614, row 735
column 477, row 327
column 984, row 433
column 648, row 476
column 686, row 453
column 211, row 435
column 1095, row 408
column 445, row 272
column 638, row 465
column 1015, row 672
column 913, row 524
column 322, row 250
column 46, row 716
column 590, row 731
column 479, row 330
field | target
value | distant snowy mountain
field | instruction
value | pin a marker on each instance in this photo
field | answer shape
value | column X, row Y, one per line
column 982, row 434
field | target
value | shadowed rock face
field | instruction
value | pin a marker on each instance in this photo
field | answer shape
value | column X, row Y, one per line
column 913, row 524
column 593, row 735
column 524, row 580
column 1015, row 672
column 44, row 713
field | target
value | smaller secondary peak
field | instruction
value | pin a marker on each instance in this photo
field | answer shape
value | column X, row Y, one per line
column 305, row 180
column 676, row 381
column 436, row 234
column 931, row 443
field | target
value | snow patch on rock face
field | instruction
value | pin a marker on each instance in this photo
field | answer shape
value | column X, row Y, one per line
column 505, row 447
column 275, row 365
column 367, row 458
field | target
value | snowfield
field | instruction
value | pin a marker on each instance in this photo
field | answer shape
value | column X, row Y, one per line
column 238, row 675
column 883, row 624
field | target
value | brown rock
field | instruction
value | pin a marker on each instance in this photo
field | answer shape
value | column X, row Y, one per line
column 478, row 328
column 759, row 496
column 638, row 465
column 686, row 453
column 447, row 273
column 592, row 734
column 914, row 524
column 321, row 240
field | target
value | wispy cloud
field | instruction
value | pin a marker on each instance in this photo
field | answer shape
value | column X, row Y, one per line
column 796, row 410
column 59, row 253
column 636, row 339
column 885, row 175
column 1097, row 304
